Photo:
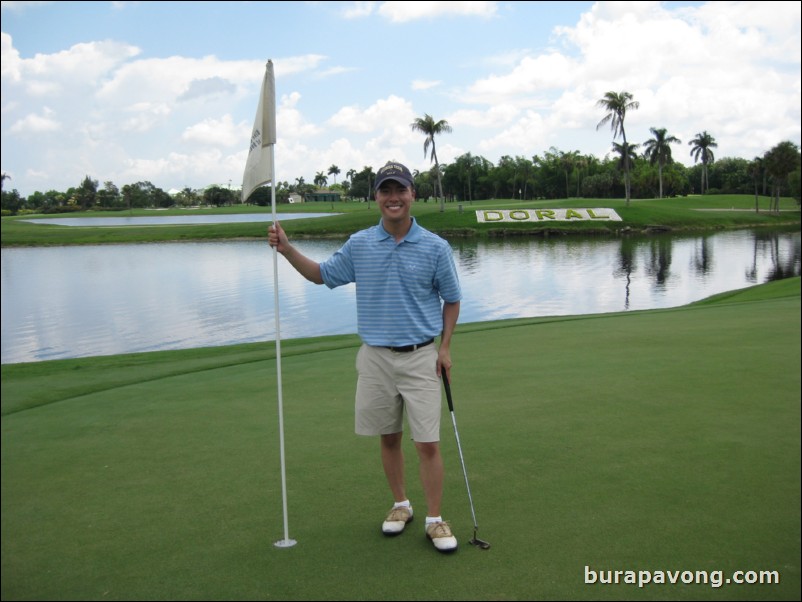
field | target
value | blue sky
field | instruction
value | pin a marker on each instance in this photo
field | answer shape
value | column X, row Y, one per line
column 167, row 92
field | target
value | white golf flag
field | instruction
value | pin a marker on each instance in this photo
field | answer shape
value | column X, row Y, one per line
column 259, row 170
column 259, row 167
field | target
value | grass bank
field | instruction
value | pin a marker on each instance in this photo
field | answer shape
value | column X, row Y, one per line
column 458, row 220
column 656, row 440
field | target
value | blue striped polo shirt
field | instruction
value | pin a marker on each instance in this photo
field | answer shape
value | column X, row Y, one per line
column 399, row 286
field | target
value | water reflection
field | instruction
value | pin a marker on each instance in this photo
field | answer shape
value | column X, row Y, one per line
column 99, row 300
column 784, row 264
column 703, row 257
column 626, row 265
column 660, row 260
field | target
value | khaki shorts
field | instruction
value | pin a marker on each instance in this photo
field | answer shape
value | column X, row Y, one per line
column 390, row 382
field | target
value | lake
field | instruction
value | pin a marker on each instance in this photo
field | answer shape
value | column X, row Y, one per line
column 65, row 302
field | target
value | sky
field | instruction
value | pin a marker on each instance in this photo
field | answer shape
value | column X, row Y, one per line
column 167, row 92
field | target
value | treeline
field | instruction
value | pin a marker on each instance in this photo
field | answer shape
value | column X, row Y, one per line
column 553, row 175
column 558, row 175
column 89, row 195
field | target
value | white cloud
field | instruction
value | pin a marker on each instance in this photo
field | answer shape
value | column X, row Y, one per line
column 421, row 84
column 495, row 117
column 291, row 122
column 217, row 132
column 527, row 81
column 82, row 63
column 358, row 10
column 147, row 115
column 208, row 86
column 526, row 133
column 405, row 11
column 392, row 110
column 401, row 12
column 10, row 63
column 333, row 71
column 32, row 124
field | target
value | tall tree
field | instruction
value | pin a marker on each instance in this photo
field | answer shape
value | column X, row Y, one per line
column 3, row 179
column 524, row 168
column 756, row 171
column 11, row 201
column 568, row 161
column 109, row 196
column 334, row 171
column 780, row 162
column 86, row 193
column 460, row 172
column 350, row 175
column 581, row 164
column 700, row 149
column 428, row 126
column 320, row 179
column 627, row 154
column 617, row 104
column 658, row 150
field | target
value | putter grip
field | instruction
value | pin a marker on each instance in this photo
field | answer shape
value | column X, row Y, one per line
column 448, row 391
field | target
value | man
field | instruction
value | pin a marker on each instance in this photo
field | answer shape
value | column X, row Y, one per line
column 402, row 272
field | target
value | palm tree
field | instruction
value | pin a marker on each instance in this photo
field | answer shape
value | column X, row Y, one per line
column 568, row 161
column 524, row 167
column 755, row 168
column 617, row 104
column 780, row 161
column 700, row 149
column 320, row 179
column 334, row 171
column 581, row 164
column 627, row 154
column 658, row 150
column 3, row 178
column 350, row 175
column 427, row 125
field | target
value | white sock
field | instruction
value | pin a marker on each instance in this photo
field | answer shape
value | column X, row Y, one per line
column 404, row 504
column 433, row 519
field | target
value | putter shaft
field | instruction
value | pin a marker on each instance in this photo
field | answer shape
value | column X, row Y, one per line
column 477, row 542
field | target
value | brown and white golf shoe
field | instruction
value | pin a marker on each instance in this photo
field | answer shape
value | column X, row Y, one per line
column 396, row 520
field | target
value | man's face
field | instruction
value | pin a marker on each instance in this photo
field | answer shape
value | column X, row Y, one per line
column 395, row 200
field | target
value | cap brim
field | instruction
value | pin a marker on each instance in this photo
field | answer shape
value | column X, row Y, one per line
column 401, row 181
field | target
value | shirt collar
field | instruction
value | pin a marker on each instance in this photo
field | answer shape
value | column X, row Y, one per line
column 414, row 234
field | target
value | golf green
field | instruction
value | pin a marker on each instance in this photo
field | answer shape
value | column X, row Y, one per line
column 664, row 442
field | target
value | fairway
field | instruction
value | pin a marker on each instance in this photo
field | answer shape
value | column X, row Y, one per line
column 663, row 440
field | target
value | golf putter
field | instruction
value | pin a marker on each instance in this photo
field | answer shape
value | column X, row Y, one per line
column 475, row 541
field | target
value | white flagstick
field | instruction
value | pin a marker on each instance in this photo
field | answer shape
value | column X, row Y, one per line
column 286, row 542
column 271, row 135
column 260, row 169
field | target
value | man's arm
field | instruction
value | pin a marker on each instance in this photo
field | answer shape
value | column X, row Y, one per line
column 306, row 267
column 450, row 316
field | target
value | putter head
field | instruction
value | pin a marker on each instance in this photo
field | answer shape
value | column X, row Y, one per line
column 479, row 543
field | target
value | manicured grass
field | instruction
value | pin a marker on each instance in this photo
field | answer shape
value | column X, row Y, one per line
column 459, row 219
column 655, row 440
